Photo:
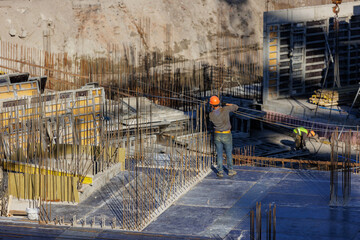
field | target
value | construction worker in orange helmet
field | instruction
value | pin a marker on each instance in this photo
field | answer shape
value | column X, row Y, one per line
column 220, row 117
column 314, row 135
column 214, row 101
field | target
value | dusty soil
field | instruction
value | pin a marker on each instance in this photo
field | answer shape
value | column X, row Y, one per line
column 89, row 26
column 189, row 28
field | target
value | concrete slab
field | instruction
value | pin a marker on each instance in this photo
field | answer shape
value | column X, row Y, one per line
column 318, row 229
column 222, row 191
column 190, row 220
column 219, row 208
column 224, row 195
column 301, row 108
column 357, row 237
column 21, row 230
column 102, row 202
column 301, row 186
column 301, row 198
column 238, row 234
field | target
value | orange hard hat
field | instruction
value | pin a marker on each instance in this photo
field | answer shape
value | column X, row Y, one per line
column 336, row 1
column 214, row 100
column 312, row 133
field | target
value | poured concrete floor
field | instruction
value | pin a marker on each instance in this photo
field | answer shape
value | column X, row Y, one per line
column 219, row 208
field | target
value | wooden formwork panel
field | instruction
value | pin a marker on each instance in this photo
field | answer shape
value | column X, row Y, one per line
column 26, row 168
column 46, row 187
column 83, row 155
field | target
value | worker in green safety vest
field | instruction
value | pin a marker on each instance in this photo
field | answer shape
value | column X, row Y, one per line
column 300, row 137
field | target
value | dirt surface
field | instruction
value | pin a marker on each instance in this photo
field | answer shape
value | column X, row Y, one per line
column 89, row 26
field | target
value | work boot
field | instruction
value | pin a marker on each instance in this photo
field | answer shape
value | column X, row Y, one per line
column 232, row 173
column 220, row 174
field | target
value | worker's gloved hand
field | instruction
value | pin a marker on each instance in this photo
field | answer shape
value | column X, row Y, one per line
column 226, row 104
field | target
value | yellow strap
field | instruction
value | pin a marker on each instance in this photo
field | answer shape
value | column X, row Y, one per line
column 228, row 131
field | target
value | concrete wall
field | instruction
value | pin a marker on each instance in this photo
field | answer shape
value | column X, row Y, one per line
column 284, row 4
column 310, row 13
column 297, row 44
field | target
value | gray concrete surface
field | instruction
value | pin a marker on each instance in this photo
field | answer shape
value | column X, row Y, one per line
column 219, row 208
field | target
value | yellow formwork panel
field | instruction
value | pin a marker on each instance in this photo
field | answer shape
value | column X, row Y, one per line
column 273, row 41
column 97, row 100
column 115, row 155
column 54, row 114
column 33, row 169
column 26, row 89
column 48, row 188
column 272, row 62
column 29, row 117
column 54, row 107
column 26, row 85
column 97, row 108
column 97, row 92
column 21, row 140
column 88, row 117
column 4, row 88
column 5, row 115
column 84, row 126
column 85, row 108
column 87, row 141
column 81, row 103
column 86, row 135
column 273, row 48
column 82, row 110
column 7, row 95
column 30, row 111
column 29, row 92
column 272, row 55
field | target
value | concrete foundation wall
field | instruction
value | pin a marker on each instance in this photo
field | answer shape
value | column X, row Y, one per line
column 299, row 45
column 284, row 4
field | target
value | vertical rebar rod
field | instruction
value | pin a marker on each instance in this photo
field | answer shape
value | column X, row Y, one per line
column 258, row 221
column 252, row 225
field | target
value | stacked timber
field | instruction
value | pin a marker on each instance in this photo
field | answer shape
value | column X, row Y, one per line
column 335, row 96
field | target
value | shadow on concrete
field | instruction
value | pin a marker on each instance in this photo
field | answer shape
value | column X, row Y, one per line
column 288, row 143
